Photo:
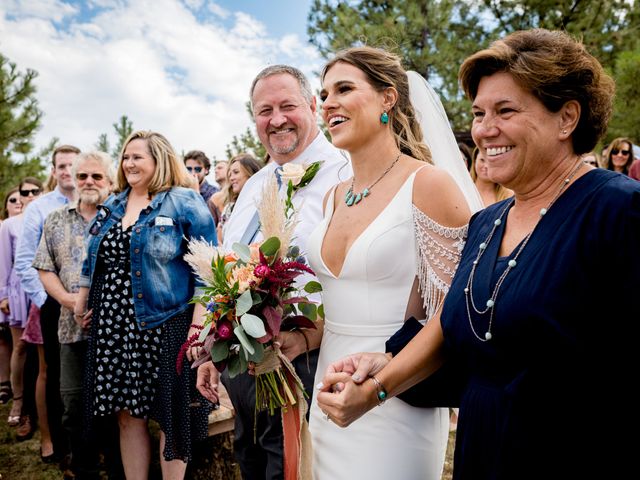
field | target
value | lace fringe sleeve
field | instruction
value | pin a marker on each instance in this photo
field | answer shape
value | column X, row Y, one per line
column 438, row 251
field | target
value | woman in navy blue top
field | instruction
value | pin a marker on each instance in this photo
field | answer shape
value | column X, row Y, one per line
column 541, row 313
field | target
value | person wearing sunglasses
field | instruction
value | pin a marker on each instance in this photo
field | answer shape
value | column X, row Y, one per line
column 198, row 166
column 59, row 262
column 12, row 205
column 14, row 305
column 11, row 208
column 620, row 155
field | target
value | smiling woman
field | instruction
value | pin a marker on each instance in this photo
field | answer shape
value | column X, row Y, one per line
column 538, row 357
column 135, row 289
column 240, row 169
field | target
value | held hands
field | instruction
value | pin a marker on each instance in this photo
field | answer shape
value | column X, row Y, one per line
column 207, row 381
column 70, row 301
column 344, row 395
column 81, row 315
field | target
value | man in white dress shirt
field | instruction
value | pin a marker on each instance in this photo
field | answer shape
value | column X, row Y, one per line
column 284, row 110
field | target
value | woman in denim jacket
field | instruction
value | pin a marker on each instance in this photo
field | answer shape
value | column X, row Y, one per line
column 135, row 289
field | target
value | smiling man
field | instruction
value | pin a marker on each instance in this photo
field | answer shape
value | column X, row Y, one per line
column 59, row 262
column 34, row 217
column 284, row 110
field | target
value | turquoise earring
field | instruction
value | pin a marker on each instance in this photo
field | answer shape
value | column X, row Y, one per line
column 384, row 118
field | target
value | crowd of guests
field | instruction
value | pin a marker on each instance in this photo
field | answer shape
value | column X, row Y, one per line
column 94, row 288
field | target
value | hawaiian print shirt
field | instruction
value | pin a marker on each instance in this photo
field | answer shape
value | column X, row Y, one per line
column 61, row 251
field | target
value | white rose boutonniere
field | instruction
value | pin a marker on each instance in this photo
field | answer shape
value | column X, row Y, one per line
column 292, row 173
column 297, row 176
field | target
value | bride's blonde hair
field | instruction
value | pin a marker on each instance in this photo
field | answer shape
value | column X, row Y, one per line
column 383, row 70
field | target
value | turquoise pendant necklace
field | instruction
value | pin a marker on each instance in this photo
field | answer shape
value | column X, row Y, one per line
column 353, row 198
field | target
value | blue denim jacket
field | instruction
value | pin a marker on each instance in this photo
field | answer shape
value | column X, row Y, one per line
column 161, row 280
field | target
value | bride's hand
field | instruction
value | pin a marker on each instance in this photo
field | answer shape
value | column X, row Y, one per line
column 346, row 406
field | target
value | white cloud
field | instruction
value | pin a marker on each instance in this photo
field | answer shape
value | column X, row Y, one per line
column 47, row 9
column 218, row 10
column 154, row 61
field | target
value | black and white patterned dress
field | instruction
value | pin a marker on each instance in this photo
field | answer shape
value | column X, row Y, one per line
column 127, row 358
column 135, row 370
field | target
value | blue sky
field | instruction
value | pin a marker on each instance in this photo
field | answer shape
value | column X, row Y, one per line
column 181, row 67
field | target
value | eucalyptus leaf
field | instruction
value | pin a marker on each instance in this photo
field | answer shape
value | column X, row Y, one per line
column 242, row 251
column 257, row 298
column 321, row 311
column 258, row 355
column 309, row 310
column 270, row 246
column 244, row 303
column 313, row 287
column 244, row 341
column 204, row 332
column 235, row 366
column 228, row 267
column 219, row 351
column 253, row 325
column 244, row 361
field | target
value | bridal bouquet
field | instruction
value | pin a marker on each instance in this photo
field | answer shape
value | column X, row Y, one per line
column 250, row 297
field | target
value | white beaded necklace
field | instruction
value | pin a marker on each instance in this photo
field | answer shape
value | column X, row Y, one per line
column 491, row 302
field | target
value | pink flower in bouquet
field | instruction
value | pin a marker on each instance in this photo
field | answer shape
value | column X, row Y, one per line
column 244, row 276
column 224, row 329
column 262, row 270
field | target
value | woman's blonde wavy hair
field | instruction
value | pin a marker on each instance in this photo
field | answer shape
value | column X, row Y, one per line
column 170, row 170
column 384, row 69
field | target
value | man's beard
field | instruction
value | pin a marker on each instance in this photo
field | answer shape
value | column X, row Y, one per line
column 285, row 149
column 91, row 197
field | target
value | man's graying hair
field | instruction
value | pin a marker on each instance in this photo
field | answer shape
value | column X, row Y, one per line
column 305, row 88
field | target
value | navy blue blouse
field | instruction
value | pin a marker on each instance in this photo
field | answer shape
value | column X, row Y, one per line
column 541, row 392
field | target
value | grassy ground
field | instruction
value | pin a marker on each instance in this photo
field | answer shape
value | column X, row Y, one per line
column 21, row 460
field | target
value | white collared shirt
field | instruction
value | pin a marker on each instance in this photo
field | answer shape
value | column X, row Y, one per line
column 335, row 169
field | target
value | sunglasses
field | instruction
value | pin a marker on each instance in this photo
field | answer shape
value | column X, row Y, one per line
column 13, row 200
column 83, row 176
column 34, row 191
column 615, row 151
column 194, row 169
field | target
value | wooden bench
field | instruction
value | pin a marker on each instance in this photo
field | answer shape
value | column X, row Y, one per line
column 221, row 420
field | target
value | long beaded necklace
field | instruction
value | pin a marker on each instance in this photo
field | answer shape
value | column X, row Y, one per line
column 491, row 302
column 352, row 198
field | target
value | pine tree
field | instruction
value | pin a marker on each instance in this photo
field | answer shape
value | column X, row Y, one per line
column 102, row 144
column 20, row 118
column 433, row 37
column 123, row 128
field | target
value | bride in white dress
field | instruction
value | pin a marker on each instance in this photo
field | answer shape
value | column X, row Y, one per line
column 385, row 251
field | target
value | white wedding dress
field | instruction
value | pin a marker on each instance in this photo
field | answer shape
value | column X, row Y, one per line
column 364, row 306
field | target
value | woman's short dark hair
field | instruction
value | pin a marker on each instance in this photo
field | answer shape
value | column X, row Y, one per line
column 555, row 68
column 32, row 180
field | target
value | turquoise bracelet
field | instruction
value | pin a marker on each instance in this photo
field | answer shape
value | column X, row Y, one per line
column 381, row 391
